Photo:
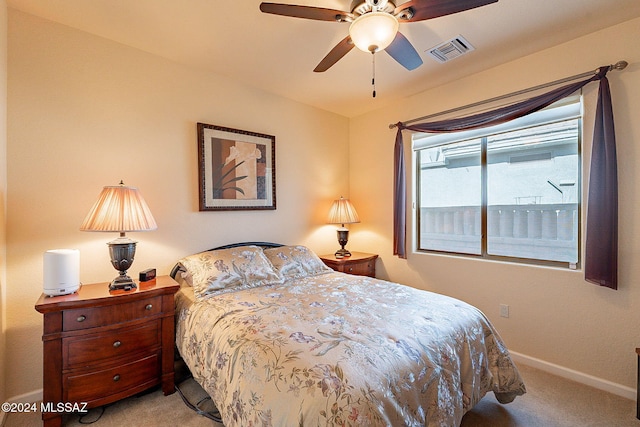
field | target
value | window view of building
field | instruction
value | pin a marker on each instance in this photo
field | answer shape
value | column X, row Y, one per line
column 520, row 182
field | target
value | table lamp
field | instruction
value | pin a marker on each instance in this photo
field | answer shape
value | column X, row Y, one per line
column 120, row 209
column 342, row 212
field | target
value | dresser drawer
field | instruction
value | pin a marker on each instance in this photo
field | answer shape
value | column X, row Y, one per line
column 100, row 384
column 91, row 349
column 85, row 318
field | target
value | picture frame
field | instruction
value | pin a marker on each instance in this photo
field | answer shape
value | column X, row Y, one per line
column 237, row 169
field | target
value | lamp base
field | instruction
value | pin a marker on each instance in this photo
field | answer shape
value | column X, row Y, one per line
column 342, row 253
column 122, row 251
column 343, row 238
column 122, row 282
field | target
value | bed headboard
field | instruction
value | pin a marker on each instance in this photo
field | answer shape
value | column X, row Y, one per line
column 264, row 245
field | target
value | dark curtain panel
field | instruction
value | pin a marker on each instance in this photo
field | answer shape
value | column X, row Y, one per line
column 601, row 258
column 399, row 200
column 602, row 213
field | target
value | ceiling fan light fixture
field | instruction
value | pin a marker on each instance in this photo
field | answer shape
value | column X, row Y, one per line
column 373, row 31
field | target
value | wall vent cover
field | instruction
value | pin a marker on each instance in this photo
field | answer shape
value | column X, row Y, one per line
column 451, row 49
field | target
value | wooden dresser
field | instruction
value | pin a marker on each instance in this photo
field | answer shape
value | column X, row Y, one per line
column 359, row 263
column 101, row 346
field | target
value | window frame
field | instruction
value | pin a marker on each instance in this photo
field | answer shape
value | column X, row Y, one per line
column 575, row 106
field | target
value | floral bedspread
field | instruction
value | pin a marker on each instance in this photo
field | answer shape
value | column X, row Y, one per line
column 345, row 350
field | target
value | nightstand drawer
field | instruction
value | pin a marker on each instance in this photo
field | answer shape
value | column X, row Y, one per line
column 91, row 349
column 361, row 269
column 85, row 318
column 99, row 384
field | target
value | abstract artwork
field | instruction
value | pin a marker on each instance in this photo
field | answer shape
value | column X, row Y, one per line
column 237, row 169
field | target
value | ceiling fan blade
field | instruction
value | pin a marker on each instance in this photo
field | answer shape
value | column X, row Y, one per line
column 403, row 51
column 340, row 50
column 307, row 12
column 419, row 10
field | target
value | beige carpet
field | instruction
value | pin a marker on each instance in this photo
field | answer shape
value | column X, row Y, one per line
column 550, row 402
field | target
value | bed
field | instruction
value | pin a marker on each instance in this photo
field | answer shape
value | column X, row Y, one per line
column 276, row 338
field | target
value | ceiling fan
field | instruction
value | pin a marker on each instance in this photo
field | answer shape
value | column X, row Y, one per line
column 374, row 25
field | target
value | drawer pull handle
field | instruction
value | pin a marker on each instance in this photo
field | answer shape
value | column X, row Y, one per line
column 148, row 307
column 81, row 318
column 116, row 378
column 117, row 344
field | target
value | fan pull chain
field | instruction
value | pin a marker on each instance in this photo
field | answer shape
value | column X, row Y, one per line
column 373, row 79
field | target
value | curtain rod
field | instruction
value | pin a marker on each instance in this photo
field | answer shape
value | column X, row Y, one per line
column 620, row 65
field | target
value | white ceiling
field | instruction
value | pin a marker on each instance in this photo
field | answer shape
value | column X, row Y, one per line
column 278, row 54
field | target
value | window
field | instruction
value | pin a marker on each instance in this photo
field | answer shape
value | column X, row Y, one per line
column 509, row 192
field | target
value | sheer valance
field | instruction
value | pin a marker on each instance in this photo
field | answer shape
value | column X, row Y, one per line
column 601, row 260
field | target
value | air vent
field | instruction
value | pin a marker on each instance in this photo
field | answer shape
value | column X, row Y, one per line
column 451, row 49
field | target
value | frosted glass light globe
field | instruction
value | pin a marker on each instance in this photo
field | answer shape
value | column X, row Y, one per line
column 373, row 31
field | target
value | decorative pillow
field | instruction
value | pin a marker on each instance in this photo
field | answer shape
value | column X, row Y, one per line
column 296, row 262
column 222, row 270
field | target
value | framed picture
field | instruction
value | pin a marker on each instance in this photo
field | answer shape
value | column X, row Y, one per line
column 237, row 169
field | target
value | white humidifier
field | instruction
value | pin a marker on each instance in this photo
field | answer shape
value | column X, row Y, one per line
column 61, row 271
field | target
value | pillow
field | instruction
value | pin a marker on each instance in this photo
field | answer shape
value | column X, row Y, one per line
column 222, row 270
column 296, row 262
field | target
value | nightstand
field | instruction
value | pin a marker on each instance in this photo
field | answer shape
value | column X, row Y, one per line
column 102, row 346
column 359, row 263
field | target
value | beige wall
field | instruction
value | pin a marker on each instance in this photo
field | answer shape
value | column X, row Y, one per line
column 3, row 192
column 555, row 315
column 85, row 112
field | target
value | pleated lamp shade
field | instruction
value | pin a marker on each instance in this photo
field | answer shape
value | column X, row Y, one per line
column 119, row 208
column 342, row 212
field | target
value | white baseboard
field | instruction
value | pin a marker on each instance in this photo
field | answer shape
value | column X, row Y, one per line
column 580, row 377
column 32, row 396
